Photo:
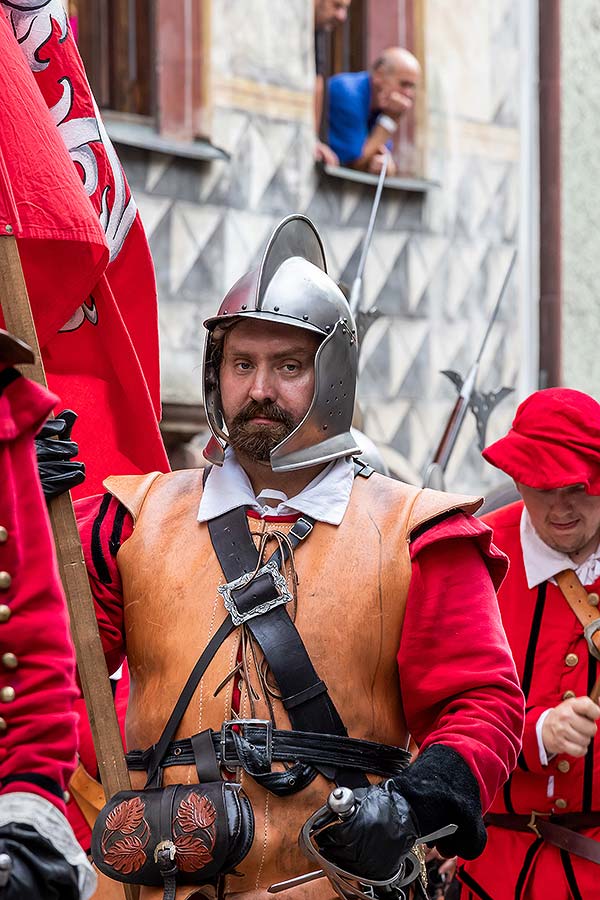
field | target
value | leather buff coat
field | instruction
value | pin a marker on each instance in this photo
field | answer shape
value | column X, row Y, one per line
column 352, row 591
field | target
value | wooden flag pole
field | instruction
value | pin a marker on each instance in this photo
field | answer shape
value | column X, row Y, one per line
column 91, row 664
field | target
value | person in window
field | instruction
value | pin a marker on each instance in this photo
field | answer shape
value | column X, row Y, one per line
column 544, row 826
column 329, row 14
column 365, row 107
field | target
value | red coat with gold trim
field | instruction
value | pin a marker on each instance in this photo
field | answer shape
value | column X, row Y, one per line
column 37, row 668
column 552, row 661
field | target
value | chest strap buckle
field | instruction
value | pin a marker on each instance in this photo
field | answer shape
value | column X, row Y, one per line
column 253, row 594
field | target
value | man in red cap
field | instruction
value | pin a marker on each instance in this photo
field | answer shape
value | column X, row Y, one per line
column 544, row 826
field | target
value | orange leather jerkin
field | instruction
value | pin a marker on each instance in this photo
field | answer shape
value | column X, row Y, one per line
column 352, row 587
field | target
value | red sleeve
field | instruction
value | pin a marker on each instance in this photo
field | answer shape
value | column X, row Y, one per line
column 458, row 679
column 104, row 524
column 37, row 683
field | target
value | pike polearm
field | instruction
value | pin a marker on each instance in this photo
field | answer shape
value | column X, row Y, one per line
column 467, row 397
column 356, row 292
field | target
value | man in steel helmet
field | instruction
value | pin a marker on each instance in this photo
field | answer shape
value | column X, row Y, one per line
column 357, row 610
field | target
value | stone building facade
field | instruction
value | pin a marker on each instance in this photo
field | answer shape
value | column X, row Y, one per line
column 444, row 238
column 580, row 163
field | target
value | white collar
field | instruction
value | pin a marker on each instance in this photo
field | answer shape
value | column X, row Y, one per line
column 542, row 563
column 325, row 498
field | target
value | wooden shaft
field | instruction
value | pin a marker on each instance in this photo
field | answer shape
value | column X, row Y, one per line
column 595, row 692
column 84, row 627
column 446, row 445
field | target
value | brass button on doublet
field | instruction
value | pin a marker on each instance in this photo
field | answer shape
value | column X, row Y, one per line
column 3, row 534
column 568, row 695
column 593, row 599
column 5, row 581
column 560, row 803
column 9, row 661
column 7, row 694
column 564, row 765
column 5, row 612
column 571, row 659
column 3, row 726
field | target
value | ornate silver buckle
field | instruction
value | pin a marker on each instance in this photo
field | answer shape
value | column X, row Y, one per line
column 241, row 723
column 226, row 590
column 165, row 846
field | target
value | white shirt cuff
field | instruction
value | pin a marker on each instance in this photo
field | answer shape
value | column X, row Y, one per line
column 49, row 822
column 544, row 758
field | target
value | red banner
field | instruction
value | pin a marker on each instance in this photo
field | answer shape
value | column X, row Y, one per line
column 84, row 252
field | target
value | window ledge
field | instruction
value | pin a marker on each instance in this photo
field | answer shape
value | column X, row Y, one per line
column 408, row 183
column 142, row 134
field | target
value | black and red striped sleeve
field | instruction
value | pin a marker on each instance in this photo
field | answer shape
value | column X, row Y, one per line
column 104, row 525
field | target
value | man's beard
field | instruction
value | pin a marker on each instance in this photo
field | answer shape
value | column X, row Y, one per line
column 257, row 441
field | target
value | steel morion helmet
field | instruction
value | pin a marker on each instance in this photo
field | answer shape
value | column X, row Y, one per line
column 292, row 287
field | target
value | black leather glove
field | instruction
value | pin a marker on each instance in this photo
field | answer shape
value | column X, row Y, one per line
column 38, row 871
column 58, row 473
column 373, row 840
column 441, row 790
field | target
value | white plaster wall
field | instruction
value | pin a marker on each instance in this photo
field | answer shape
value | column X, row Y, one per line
column 580, row 143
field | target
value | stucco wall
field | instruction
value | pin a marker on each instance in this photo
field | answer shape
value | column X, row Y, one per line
column 580, row 158
column 437, row 259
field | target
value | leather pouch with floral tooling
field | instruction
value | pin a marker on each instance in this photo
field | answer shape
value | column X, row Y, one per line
column 206, row 830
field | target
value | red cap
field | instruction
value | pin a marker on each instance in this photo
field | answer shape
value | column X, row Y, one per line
column 554, row 442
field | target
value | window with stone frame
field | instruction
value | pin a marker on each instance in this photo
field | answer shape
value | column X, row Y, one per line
column 370, row 27
column 144, row 61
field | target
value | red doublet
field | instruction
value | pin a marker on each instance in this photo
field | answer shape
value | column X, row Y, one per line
column 552, row 658
column 37, row 687
column 448, row 694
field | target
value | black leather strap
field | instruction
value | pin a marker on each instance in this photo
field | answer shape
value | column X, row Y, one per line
column 305, row 696
column 311, row 709
column 183, row 702
column 240, row 556
column 205, row 757
column 279, row 746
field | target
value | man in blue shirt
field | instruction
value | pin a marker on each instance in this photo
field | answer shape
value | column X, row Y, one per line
column 365, row 108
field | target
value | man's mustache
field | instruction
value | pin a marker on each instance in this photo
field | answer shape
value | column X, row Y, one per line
column 255, row 410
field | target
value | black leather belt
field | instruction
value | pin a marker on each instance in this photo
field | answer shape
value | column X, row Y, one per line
column 255, row 741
